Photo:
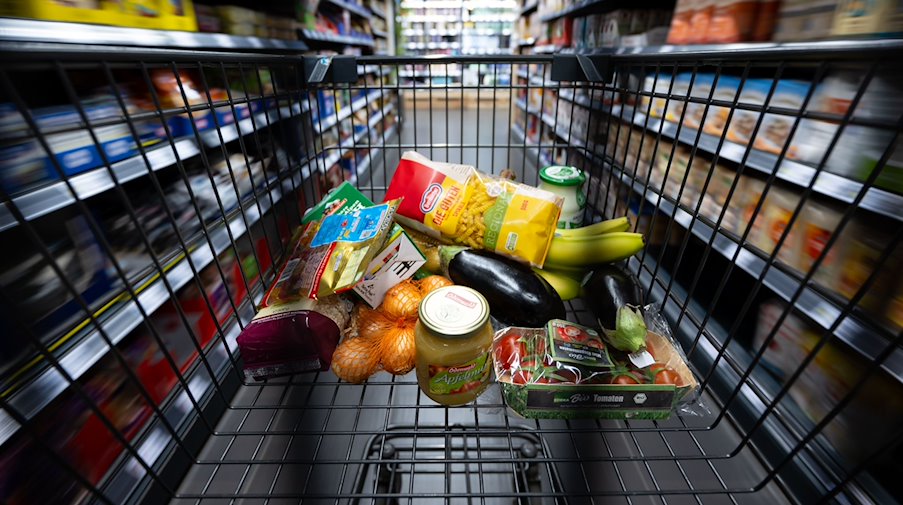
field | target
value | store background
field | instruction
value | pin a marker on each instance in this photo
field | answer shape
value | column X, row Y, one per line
column 445, row 106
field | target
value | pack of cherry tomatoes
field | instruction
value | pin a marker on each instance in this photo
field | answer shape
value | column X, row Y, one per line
column 567, row 371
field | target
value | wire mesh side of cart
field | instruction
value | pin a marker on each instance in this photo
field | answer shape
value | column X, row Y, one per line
column 313, row 437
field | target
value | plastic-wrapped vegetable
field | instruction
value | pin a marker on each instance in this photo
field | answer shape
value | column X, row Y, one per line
column 566, row 371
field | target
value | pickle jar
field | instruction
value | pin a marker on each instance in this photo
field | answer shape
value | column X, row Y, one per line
column 453, row 339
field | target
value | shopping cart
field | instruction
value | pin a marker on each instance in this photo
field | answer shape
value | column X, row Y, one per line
column 128, row 282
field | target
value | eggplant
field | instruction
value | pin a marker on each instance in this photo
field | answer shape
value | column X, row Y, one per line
column 517, row 296
column 614, row 297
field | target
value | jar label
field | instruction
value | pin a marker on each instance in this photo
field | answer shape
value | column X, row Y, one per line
column 457, row 379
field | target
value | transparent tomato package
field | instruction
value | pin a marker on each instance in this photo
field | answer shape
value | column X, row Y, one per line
column 566, row 370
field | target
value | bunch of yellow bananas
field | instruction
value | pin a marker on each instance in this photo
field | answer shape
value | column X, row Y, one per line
column 574, row 251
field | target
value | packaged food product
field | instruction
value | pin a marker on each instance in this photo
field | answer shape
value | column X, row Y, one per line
column 698, row 172
column 567, row 371
column 858, row 148
column 743, row 204
column 766, row 16
column 773, row 219
column 700, row 20
column 680, row 89
column 866, row 18
column 333, row 253
column 774, row 131
column 743, row 122
column 715, row 196
column 460, row 204
column 725, row 90
column 398, row 261
column 566, row 182
column 804, row 20
column 815, row 226
column 679, row 34
column 732, row 21
column 453, row 341
column 298, row 336
column 702, row 86
column 873, row 414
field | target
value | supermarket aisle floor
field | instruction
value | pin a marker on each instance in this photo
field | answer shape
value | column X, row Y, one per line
column 437, row 133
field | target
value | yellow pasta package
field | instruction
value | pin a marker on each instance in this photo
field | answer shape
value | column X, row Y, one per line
column 459, row 204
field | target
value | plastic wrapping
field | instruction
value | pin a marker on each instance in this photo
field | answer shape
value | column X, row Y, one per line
column 460, row 204
column 566, row 371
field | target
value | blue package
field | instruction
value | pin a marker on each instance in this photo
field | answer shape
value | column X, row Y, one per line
column 359, row 226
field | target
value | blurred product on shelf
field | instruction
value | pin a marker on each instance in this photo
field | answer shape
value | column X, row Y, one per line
column 857, row 148
column 168, row 15
column 24, row 162
column 856, row 432
column 245, row 22
column 818, row 19
column 34, row 294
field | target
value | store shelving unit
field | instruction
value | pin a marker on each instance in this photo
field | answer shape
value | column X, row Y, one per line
column 31, row 31
column 457, row 27
column 37, row 386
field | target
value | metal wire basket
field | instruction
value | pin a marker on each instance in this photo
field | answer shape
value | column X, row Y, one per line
column 125, row 384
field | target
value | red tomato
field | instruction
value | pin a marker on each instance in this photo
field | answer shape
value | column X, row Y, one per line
column 625, row 379
column 660, row 374
column 522, row 377
column 509, row 351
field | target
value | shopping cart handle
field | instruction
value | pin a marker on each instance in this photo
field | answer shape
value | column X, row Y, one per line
column 581, row 67
column 333, row 69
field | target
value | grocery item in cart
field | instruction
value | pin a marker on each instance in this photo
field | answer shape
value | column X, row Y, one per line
column 453, row 342
column 566, row 182
column 566, row 371
column 458, row 203
column 292, row 337
column 385, row 335
column 516, row 294
column 332, row 254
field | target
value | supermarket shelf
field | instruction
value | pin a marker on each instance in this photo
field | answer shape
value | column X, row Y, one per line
column 560, row 130
column 529, row 8
column 432, row 4
column 55, row 196
column 758, row 388
column 378, row 13
column 430, row 18
column 546, row 48
column 583, row 100
column 334, row 118
column 30, row 31
column 491, row 4
column 574, row 9
column 379, row 33
column 230, row 132
column 833, row 48
column 178, row 409
column 491, row 18
column 491, row 50
column 426, row 73
column 414, row 32
column 376, row 69
column 313, row 35
column 812, row 304
column 30, row 399
column 322, row 165
column 828, row 184
column 351, row 7
column 533, row 150
column 433, row 45
column 364, row 168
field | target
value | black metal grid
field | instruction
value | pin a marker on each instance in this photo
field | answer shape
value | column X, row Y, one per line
column 312, row 438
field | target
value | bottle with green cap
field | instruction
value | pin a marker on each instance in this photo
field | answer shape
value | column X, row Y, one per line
column 566, row 182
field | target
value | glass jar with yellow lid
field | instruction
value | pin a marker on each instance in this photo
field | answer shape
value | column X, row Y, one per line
column 453, row 339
